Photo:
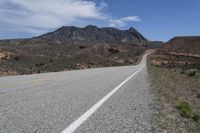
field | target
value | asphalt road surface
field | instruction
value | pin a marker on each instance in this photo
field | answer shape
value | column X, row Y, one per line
column 102, row 100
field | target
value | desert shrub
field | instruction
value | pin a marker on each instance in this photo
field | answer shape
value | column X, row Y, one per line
column 185, row 109
column 191, row 72
column 182, row 71
column 5, row 57
column 82, row 47
column 196, row 116
column 16, row 58
column 39, row 64
column 113, row 50
column 198, row 95
column 198, row 75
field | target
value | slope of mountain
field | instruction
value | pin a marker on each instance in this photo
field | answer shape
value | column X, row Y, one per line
column 179, row 52
column 96, row 35
column 71, row 48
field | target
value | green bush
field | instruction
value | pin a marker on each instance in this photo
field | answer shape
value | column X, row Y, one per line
column 196, row 116
column 191, row 72
column 198, row 95
column 185, row 109
column 16, row 58
column 182, row 71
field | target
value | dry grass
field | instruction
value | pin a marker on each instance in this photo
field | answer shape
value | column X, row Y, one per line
column 172, row 88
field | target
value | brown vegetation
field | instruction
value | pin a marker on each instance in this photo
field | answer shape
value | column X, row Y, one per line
column 36, row 57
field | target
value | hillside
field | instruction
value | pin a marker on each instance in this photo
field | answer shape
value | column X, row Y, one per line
column 71, row 48
column 179, row 52
column 189, row 46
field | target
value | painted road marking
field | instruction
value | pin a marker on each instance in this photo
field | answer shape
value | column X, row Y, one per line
column 71, row 128
column 31, row 82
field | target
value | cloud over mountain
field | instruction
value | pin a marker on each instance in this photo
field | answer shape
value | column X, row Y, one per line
column 30, row 15
column 123, row 21
column 33, row 17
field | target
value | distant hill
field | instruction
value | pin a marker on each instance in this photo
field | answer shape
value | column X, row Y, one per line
column 184, row 45
column 179, row 52
column 71, row 48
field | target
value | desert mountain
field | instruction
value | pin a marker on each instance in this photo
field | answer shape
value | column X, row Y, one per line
column 71, row 48
column 94, row 34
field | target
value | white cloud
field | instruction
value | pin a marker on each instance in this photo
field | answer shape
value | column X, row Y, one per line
column 34, row 17
column 123, row 21
column 31, row 15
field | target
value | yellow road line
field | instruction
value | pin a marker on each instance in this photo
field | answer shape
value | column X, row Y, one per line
column 34, row 81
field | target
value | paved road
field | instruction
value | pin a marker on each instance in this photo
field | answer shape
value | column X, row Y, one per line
column 102, row 100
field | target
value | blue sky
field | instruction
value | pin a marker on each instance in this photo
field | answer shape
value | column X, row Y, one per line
column 155, row 19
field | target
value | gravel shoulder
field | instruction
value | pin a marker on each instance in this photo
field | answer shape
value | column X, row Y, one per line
column 172, row 87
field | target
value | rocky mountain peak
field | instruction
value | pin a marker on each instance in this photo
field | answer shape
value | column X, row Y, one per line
column 93, row 34
column 93, row 27
column 132, row 29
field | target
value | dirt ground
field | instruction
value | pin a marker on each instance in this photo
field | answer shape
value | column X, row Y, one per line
column 170, row 87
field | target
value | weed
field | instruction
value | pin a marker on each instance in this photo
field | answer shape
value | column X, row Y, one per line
column 198, row 95
column 16, row 58
column 196, row 116
column 185, row 109
column 182, row 71
column 191, row 72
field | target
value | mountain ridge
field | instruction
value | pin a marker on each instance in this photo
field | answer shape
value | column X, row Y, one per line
column 94, row 34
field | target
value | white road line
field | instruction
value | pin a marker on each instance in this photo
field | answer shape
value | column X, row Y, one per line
column 71, row 128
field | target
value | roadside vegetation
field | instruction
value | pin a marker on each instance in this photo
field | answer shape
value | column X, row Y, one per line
column 187, row 112
column 177, row 93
